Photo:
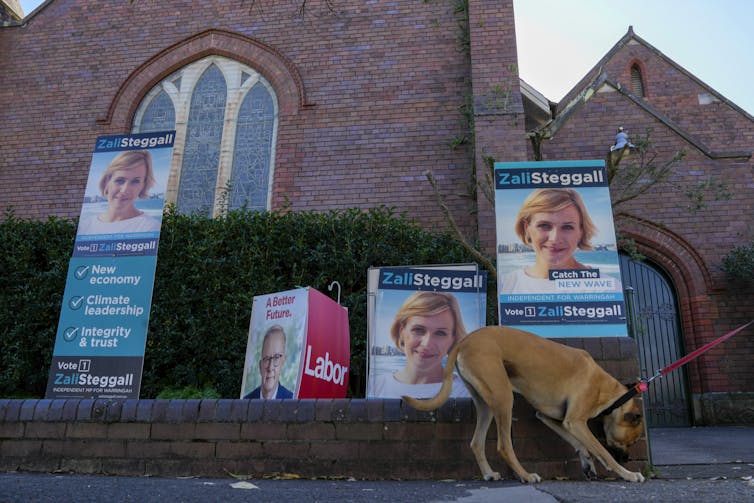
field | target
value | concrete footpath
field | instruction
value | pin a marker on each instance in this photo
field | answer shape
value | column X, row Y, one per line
column 709, row 464
column 704, row 464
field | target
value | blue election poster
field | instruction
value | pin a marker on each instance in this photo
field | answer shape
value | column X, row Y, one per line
column 102, row 329
column 416, row 315
column 557, row 256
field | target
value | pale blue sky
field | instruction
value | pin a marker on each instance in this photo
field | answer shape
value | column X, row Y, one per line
column 560, row 40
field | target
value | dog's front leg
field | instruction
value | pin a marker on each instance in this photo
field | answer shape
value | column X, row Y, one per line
column 582, row 433
column 587, row 463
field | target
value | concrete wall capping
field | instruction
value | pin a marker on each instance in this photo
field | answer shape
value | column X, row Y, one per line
column 174, row 411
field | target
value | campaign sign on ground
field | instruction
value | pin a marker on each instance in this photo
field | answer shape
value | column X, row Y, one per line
column 415, row 316
column 102, row 329
column 298, row 347
column 557, row 257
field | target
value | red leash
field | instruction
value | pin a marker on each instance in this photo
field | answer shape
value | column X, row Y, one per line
column 697, row 352
column 641, row 386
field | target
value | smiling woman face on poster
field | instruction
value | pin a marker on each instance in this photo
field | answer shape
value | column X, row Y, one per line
column 425, row 329
column 127, row 179
column 555, row 224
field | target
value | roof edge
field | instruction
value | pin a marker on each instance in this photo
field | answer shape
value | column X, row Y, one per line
column 550, row 129
column 624, row 40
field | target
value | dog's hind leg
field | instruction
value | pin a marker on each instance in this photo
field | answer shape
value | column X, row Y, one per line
column 587, row 463
column 478, row 441
column 503, row 406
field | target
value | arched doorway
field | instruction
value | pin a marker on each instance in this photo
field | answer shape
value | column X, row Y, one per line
column 654, row 323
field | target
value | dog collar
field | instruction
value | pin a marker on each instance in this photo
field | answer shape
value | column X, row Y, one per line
column 634, row 390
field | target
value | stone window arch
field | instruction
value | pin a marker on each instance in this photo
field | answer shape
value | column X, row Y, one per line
column 225, row 115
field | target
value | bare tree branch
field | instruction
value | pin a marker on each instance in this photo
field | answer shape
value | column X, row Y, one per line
column 301, row 8
column 454, row 226
column 634, row 178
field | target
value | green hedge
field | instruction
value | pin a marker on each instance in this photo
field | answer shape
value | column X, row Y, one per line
column 33, row 264
column 208, row 271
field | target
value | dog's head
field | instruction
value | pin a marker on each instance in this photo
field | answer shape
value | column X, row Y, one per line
column 623, row 427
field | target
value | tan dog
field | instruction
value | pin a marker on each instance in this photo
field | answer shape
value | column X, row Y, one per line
column 564, row 385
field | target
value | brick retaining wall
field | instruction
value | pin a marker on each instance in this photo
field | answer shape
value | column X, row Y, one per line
column 360, row 438
column 364, row 439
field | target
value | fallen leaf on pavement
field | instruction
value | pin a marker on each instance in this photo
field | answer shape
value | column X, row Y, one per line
column 243, row 485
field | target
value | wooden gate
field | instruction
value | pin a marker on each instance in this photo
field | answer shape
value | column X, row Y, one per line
column 655, row 324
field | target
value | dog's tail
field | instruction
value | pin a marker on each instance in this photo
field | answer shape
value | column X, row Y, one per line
column 442, row 396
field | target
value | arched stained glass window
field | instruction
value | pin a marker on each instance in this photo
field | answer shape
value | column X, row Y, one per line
column 214, row 151
column 159, row 115
column 201, row 155
column 253, row 147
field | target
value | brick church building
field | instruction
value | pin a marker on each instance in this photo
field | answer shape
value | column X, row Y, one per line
column 348, row 103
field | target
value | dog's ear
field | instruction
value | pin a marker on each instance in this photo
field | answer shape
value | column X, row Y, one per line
column 632, row 418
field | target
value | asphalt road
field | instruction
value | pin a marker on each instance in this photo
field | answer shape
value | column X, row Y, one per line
column 726, row 483
column 691, row 465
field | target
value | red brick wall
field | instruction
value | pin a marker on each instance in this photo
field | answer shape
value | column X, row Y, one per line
column 675, row 93
column 498, row 111
column 383, row 84
column 370, row 96
column 365, row 439
column 688, row 245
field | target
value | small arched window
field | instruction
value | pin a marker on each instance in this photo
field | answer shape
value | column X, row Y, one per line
column 225, row 116
column 637, row 81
